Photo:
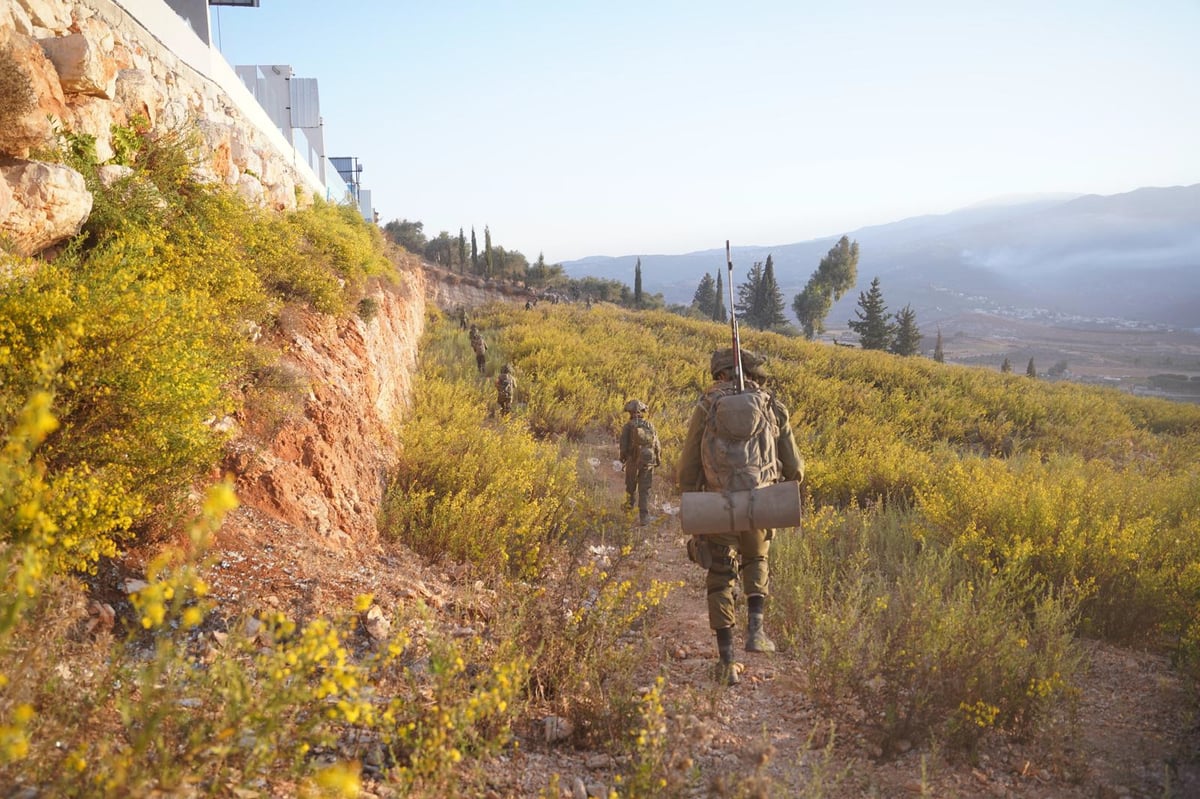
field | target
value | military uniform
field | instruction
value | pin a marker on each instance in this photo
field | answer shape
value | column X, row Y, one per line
column 750, row 547
column 639, row 458
column 506, row 386
column 480, row 348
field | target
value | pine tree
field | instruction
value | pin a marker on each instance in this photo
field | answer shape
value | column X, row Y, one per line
column 835, row 275
column 1030, row 371
column 705, row 298
column 637, row 284
column 906, row 337
column 939, row 355
column 720, row 312
column 1006, row 367
column 749, row 296
column 872, row 326
column 771, row 309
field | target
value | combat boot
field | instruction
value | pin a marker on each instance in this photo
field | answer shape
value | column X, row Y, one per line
column 726, row 672
column 756, row 638
column 643, row 518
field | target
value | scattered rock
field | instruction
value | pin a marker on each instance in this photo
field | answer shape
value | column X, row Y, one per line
column 378, row 626
column 598, row 761
column 556, row 728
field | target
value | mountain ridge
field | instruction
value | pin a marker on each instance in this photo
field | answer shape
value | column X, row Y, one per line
column 1029, row 254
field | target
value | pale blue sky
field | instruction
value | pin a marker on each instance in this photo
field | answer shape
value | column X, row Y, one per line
column 621, row 128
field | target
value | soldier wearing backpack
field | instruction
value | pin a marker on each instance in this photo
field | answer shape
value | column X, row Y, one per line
column 737, row 441
column 480, row 347
column 506, row 386
column 640, row 453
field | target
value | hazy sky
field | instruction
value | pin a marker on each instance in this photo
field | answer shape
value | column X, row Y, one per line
column 618, row 128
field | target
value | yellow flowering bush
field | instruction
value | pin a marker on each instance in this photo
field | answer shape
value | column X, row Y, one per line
column 493, row 496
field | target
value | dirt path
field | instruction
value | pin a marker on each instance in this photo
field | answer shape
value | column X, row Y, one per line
column 1133, row 732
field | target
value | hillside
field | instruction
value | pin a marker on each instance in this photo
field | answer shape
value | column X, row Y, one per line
column 326, row 479
column 265, row 533
column 1127, row 732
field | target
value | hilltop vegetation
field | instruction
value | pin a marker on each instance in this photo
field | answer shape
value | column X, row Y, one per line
column 964, row 528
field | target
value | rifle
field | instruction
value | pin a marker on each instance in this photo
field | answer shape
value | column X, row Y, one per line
column 737, row 340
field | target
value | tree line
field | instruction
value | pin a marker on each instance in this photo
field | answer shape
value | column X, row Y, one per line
column 758, row 303
column 462, row 254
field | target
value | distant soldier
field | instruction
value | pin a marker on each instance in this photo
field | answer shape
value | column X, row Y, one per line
column 480, row 347
column 506, row 386
column 640, row 453
column 462, row 318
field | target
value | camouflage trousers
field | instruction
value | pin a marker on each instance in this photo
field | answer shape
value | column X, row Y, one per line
column 637, row 482
column 750, row 548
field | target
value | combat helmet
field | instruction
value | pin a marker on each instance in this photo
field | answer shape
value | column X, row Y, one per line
column 635, row 406
column 752, row 363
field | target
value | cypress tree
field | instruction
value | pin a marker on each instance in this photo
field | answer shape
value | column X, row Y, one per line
column 720, row 312
column 771, row 310
column 487, row 252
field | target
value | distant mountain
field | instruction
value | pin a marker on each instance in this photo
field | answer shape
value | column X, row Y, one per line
column 1132, row 256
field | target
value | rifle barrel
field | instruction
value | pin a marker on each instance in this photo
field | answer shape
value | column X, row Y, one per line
column 737, row 339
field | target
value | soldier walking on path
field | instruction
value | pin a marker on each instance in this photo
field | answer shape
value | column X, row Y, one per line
column 506, row 386
column 714, row 459
column 480, row 347
column 640, row 454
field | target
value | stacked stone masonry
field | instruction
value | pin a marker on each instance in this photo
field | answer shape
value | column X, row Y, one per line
column 91, row 66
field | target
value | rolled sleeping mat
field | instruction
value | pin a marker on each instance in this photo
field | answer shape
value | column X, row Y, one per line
column 768, row 507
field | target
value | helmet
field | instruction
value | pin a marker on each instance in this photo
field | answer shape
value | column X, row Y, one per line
column 752, row 363
column 506, row 369
column 635, row 406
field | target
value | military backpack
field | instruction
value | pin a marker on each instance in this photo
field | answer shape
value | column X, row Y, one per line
column 738, row 448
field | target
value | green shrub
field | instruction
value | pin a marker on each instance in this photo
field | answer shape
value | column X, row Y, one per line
column 928, row 645
column 16, row 92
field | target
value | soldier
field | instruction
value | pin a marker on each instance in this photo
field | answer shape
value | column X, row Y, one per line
column 480, row 347
column 462, row 318
column 772, row 456
column 506, row 386
column 640, row 453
